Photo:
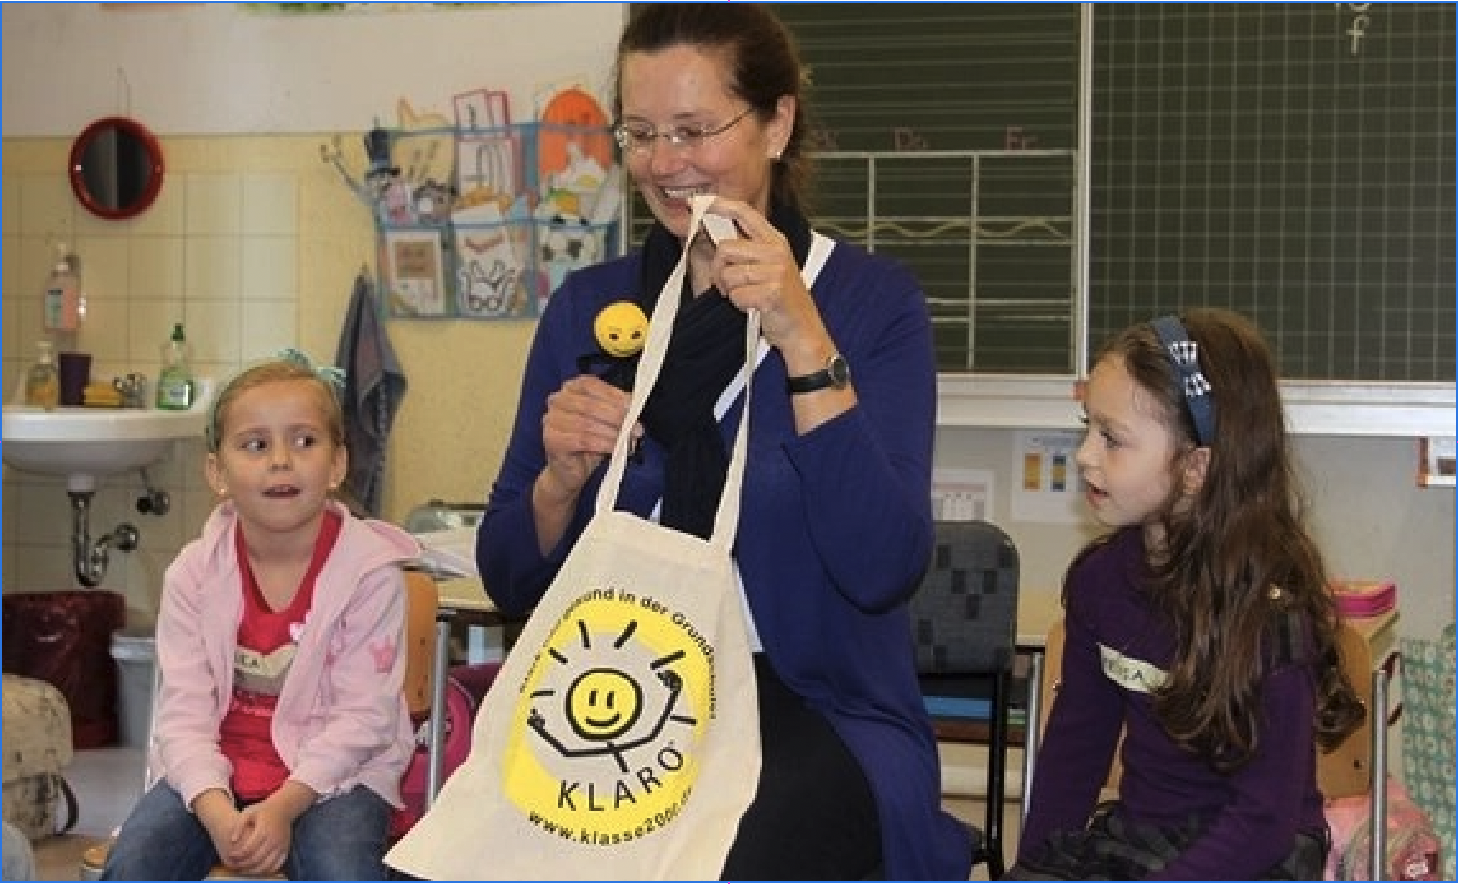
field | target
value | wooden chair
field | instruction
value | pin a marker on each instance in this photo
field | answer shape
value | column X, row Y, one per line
column 1358, row 766
column 964, row 622
column 420, row 608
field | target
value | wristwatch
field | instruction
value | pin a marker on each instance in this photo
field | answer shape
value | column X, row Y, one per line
column 835, row 375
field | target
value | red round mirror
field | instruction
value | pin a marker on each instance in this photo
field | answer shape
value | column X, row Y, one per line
column 116, row 168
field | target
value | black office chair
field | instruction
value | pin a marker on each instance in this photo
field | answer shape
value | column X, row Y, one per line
column 964, row 620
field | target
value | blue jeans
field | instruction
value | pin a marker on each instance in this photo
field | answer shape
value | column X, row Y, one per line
column 341, row 839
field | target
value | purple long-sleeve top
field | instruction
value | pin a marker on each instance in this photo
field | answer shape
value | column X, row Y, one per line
column 835, row 526
column 1254, row 813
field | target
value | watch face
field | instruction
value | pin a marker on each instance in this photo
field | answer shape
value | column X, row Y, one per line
column 839, row 370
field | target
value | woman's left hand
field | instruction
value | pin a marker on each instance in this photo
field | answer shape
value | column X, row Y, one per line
column 758, row 269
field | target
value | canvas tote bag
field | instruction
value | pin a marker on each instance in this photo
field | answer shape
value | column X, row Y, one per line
column 621, row 739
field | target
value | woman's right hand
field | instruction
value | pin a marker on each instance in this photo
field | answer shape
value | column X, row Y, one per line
column 579, row 431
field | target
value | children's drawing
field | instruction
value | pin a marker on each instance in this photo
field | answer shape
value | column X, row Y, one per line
column 414, row 278
column 567, row 243
column 574, row 149
column 489, row 169
column 491, row 266
column 481, row 109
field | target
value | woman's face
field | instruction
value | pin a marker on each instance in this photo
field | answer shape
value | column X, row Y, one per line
column 684, row 88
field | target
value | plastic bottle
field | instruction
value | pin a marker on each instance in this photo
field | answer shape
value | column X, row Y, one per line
column 65, row 306
column 43, row 381
column 174, row 383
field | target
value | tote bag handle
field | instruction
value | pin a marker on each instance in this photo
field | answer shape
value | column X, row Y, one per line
column 660, row 329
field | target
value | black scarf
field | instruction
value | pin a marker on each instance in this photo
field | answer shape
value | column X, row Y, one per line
column 704, row 354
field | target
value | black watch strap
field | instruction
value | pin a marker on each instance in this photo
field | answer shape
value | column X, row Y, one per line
column 836, row 374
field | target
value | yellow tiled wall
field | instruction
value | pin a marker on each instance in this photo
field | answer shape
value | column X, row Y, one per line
column 253, row 243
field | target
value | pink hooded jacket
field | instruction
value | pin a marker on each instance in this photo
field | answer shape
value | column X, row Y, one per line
column 341, row 719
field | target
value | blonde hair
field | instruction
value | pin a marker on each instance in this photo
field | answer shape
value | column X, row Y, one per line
column 270, row 372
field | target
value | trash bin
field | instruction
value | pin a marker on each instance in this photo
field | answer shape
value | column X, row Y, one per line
column 135, row 654
column 62, row 637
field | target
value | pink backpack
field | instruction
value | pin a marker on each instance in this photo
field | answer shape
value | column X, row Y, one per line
column 1413, row 850
column 465, row 688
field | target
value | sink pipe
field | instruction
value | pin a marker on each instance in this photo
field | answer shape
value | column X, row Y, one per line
column 155, row 501
column 91, row 558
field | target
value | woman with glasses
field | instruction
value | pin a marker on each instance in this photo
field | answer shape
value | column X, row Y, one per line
column 836, row 524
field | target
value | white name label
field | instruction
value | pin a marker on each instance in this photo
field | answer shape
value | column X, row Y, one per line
column 1127, row 672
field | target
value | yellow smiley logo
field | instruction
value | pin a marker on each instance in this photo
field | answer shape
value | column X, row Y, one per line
column 602, row 704
column 621, row 329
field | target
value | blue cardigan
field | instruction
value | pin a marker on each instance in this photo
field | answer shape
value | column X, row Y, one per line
column 835, row 526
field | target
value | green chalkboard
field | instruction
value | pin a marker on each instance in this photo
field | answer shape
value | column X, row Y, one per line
column 1291, row 161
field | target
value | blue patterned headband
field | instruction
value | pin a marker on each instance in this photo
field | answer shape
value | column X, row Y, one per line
column 1184, row 357
column 332, row 376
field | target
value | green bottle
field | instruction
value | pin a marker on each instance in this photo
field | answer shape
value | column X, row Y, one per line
column 174, row 385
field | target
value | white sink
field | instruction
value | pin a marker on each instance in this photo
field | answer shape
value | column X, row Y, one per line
column 84, row 443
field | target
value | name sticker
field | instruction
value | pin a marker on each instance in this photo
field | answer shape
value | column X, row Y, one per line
column 1130, row 673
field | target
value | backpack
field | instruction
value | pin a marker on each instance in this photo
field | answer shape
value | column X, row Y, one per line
column 1413, row 849
column 465, row 688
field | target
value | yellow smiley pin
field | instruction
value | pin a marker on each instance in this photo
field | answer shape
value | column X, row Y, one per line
column 621, row 329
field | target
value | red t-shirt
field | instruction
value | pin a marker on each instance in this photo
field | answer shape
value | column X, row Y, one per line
column 267, row 641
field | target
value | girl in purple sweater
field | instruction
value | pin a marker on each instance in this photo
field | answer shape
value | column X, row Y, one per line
column 1202, row 628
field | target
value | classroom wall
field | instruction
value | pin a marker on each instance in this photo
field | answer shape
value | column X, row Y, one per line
column 256, row 242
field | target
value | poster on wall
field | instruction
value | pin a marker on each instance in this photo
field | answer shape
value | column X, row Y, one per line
column 1046, row 486
column 961, row 495
column 413, row 273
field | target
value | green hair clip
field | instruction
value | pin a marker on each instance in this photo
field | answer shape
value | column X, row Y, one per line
column 330, row 374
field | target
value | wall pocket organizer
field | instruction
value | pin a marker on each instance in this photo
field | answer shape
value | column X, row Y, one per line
column 485, row 223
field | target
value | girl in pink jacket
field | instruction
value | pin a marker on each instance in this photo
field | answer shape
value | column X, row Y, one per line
column 280, row 732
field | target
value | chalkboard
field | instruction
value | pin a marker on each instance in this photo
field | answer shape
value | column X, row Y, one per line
column 1291, row 161
column 977, row 104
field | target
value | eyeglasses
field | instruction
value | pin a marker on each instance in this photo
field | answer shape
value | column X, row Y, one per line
column 638, row 138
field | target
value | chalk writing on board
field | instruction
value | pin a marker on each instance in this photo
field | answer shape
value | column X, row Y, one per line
column 1357, row 27
column 904, row 138
column 1018, row 138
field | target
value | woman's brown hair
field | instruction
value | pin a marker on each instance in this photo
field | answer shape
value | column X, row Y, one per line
column 1238, row 566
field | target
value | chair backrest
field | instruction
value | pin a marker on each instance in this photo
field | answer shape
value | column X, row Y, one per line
column 964, row 620
column 1347, row 769
column 964, row 615
column 421, row 602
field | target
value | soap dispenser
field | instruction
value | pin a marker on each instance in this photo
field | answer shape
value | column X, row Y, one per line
column 64, row 306
column 43, row 381
column 174, row 383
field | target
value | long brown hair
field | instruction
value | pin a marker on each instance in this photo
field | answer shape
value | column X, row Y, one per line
column 763, row 66
column 1238, row 565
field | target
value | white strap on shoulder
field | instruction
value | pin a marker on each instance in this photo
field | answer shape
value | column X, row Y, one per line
column 820, row 248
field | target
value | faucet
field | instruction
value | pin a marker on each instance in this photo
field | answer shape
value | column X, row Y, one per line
column 133, row 390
